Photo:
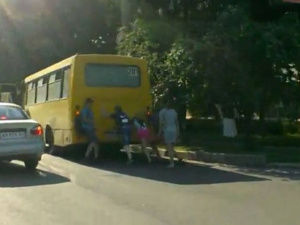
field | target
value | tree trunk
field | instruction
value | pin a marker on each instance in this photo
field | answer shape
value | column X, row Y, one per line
column 248, row 144
column 182, row 123
column 182, row 116
column 186, row 4
column 262, row 116
column 127, row 8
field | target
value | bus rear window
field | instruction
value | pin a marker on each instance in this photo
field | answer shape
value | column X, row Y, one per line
column 97, row 75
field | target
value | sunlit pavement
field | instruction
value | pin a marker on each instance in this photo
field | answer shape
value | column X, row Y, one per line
column 68, row 192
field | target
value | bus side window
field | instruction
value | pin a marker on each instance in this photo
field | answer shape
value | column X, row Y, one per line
column 55, row 81
column 31, row 93
column 65, row 84
column 41, row 90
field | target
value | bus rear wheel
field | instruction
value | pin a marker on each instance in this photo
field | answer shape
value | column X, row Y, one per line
column 31, row 165
column 49, row 139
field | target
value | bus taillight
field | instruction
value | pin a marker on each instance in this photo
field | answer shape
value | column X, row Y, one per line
column 77, row 110
column 148, row 112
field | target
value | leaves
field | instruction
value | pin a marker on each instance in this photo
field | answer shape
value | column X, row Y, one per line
column 35, row 34
column 200, row 52
column 233, row 61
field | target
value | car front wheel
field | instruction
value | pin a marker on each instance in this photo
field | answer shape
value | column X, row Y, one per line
column 31, row 164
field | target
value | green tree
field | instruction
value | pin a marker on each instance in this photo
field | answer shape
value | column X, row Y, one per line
column 146, row 40
column 35, row 34
column 245, row 61
column 233, row 61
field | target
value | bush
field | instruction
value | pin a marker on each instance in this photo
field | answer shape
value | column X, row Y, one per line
column 281, row 141
column 203, row 125
column 292, row 128
column 269, row 128
column 215, row 127
column 274, row 128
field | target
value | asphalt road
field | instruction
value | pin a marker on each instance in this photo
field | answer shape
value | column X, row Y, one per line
column 69, row 193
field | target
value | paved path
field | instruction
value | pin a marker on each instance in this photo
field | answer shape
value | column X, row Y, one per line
column 68, row 193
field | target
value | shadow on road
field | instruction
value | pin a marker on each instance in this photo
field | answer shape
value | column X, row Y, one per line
column 182, row 174
column 14, row 176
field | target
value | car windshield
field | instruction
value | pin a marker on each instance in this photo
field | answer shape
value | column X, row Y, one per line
column 12, row 113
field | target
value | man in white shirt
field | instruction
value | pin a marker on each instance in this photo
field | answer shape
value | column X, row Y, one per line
column 169, row 126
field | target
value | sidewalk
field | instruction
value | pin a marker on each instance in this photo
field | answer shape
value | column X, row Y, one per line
column 247, row 160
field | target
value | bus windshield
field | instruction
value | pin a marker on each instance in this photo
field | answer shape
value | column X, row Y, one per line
column 98, row 75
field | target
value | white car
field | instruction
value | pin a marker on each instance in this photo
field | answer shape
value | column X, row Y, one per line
column 21, row 138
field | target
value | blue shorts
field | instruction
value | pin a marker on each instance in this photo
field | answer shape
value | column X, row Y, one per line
column 91, row 135
column 126, row 134
column 170, row 137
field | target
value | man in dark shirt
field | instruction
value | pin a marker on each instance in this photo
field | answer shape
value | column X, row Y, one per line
column 153, row 122
column 124, row 128
column 88, row 127
column 153, row 119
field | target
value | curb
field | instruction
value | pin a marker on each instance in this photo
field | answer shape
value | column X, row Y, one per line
column 284, row 165
column 232, row 159
column 222, row 158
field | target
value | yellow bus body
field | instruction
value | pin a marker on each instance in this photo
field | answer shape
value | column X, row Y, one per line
column 66, row 89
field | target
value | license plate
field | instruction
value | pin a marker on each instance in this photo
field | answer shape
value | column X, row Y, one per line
column 12, row 135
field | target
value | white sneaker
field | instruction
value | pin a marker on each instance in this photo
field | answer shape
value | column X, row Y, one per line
column 123, row 150
column 171, row 166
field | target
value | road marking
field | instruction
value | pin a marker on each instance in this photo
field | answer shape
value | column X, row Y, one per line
column 53, row 169
column 59, row 171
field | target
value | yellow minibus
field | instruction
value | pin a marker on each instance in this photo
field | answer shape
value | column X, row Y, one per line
column 55, row 95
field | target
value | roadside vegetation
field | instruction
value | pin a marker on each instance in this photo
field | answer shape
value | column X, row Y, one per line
column 280, row 143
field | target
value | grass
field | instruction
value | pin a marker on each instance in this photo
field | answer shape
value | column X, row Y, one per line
column 275, row 148
column 205, row 135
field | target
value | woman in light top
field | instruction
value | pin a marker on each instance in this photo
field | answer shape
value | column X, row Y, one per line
column 169, row 126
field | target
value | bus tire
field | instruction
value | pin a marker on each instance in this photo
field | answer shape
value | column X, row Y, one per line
column 31, row 165
column 49, row 139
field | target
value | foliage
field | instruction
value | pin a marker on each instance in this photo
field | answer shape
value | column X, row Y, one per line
column 145, row 40
column 281, row 141
column 34, row 34
column 292, row 128
column 235, row 62
column 200, row 52
column 244, row 60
